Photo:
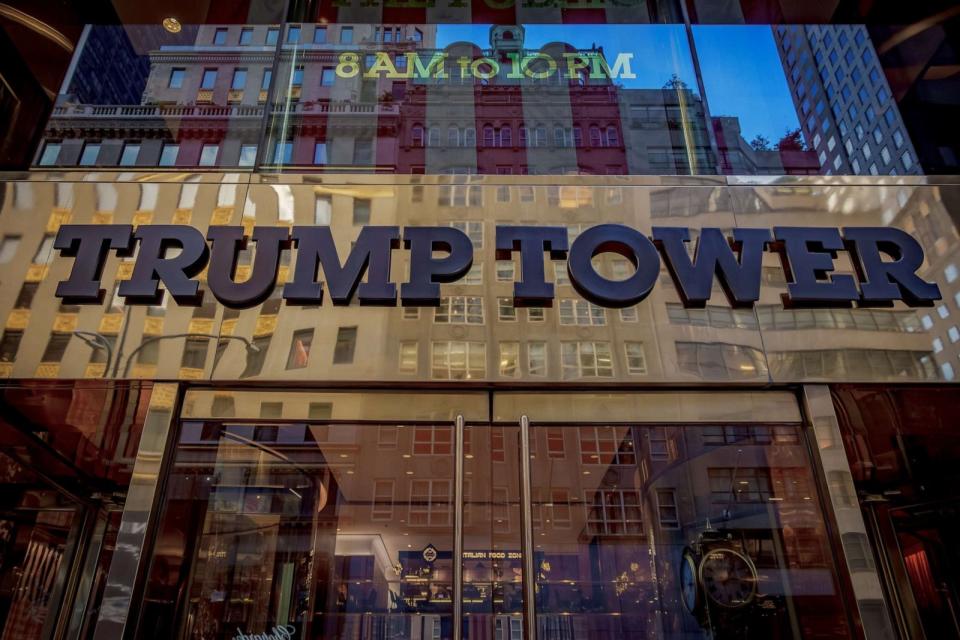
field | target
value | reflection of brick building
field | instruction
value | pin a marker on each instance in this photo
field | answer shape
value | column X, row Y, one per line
column 202, row 98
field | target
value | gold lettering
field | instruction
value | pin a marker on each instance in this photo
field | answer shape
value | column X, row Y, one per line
column 539, row 75
column 382, row 64
column 575, row 63
column 621, row 67
column 416, row 69
column 349, row 65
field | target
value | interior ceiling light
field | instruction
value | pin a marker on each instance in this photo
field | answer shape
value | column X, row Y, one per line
column 36, row 25
column 172, row 25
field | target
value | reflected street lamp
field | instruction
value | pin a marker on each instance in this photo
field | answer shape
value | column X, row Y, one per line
column 250, row 347
column 98, row 341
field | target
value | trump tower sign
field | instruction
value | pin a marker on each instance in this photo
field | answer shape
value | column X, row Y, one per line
column 885, row 261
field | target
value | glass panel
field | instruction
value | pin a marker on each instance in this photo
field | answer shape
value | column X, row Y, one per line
column 680, row 532
column 486, row 99
column 487, row 88
column 35, row 528
column 148, row 93
column 492, row 562
column 913, row 433
column 318, row 529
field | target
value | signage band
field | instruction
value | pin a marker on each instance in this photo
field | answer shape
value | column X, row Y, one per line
column 885, row 260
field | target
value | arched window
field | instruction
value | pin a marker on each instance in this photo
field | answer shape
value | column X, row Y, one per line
column 417, row 136
column 469, row 137
column 506, row 135
column 596, row 140
column 577, row 137
column 488, row 140
column 613, row 137
column 523, row 136
column 433, row 139
column 558, row 138
column 541, row 137
column 453, row 137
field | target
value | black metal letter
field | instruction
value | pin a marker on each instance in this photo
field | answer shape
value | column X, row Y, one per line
column 152, row 265
column 533, row 290
column 807, row 254
column 882, row 282
column 613, row 238
column 713, row 254
column 426, row 272
column 371, row 253
column 225, row 245
column 89, row 244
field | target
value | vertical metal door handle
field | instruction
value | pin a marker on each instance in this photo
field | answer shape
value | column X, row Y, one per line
column 526, row 541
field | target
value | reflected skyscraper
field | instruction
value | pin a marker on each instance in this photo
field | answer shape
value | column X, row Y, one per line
column 843, row 101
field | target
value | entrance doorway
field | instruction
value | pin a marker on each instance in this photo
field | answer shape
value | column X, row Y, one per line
column 38, row 530
column 66, row 459
column 435, row 516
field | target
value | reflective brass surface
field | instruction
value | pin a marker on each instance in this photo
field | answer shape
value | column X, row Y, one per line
column 472, row 337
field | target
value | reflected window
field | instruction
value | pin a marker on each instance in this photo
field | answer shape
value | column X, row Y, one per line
column 208, row 155
column 299, row 356
column 209, row 79
column 272, row 36
column 345, row 345
column 44, row 253
column 50, row 155
column 506, row 312
column 322, row 210
column 510, row 359
column 8, row 248
column 408, row 356
column 25, row 297
column 10, row 344
column 361, row 212
column 131, row 151
column 88, row 157
column 537, row 358
column 586, row 359
column 220, row 36
column 239, row 81
column 168, row 155
column 667, row 511
column 458, row 360
column 177, row 76
column 56, row 347
column 320, row 153
column 248, row 155
column 636, row 358
column 346, row 35
column 283, row 153
column 459, row 310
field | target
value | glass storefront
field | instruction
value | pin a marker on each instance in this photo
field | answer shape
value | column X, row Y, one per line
column 67, row 455
column 331, row 528
column 489, row 88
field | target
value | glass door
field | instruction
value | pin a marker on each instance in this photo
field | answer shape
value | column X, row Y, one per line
column 493, row 523
column 38, row 528
column 650, row 523
column 309, row 530
column 673, row 531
